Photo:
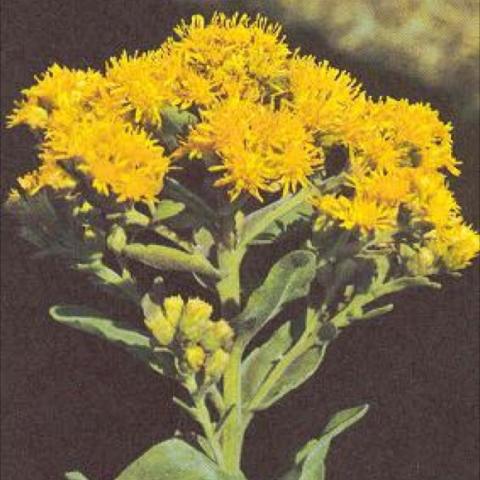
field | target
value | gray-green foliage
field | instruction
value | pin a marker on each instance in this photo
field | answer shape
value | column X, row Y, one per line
column 333, row 277
column 173, row 460
column 309, row 462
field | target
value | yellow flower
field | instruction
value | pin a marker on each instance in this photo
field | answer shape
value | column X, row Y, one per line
column 385, row 188
column 138, row 82
column 321, row 94
column 216, row 364
column 173, row 307
column 161, row 328
column 267, row 118
column 47, row 175
column 117, row 157
column 58, row 88
column 195, row 318
column 29, row 113
column 195, row 357
column 365, row 214
column 236, row 55
column 259, row 148
column 217, row 334
column 456, row 245
column 417, row 132
column 431, row 200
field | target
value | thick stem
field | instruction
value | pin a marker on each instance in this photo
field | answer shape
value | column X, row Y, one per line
column 203, row 417
column 233, row 428
column 228, row 288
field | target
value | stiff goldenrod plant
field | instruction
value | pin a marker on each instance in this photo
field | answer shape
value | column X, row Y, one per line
column 189, row 161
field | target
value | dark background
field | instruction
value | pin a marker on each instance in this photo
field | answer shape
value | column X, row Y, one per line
column 70, row 401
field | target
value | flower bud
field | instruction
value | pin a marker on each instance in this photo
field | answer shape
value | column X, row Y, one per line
column 173, row 309
column 161, row 329
column 422, row 263
column 194, row 321
column 218, row 334
column 195, row 357
column 117, row 239
column 216, row 364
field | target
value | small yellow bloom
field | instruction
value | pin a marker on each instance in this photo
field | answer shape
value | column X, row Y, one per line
column 365, row 214
column 216, row 364
column 321, row 94
column 422, row 262
column 173, row 307
column 218, row 334
column 456, row 245
column 195, row 318
column 386, row 188
column 195, row 357
column 161, row 329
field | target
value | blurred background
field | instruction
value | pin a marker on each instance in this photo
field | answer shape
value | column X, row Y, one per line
column 69, row 401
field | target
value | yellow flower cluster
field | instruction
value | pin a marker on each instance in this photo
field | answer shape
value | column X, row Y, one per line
column 76, row 111
column 187, row 327
column 81, row 120
column 262, row 149
column 267, row 120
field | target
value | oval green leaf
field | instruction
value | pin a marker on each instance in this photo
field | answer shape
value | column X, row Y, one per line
column 167, row 258
column 173, row 460
column 289, row 279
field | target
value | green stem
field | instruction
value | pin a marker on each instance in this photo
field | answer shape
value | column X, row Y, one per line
column 233, row 429
column 228, row 288
column 217, row 399
column 203, row 417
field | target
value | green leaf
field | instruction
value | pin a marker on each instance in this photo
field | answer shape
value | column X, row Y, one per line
column 310, row 460
column 50, row 225
column 267, row 219
column 343, row 420
column 168, row 258
column 89, row 320
column 175, row 122
column 117, row 239
column 402, row 283
column 204, row 241
column 173, row 460
column 258, row 364
column 195, row 204
column 109, row 280
column 167, row 209
column 298, row 372
column 288, row 280
column 75, row 476
column 313, row 467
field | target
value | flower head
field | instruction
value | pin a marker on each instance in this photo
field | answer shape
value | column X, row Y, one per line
column 363, row 213
column 259, row 148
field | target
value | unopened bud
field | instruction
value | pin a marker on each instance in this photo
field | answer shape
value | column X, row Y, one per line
column 194, row 321
column 422, row 263
column 161, row 329
column 173, row 309
column 218, row 334
column 216, row 364
column 117, row 239
column 195, row 357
